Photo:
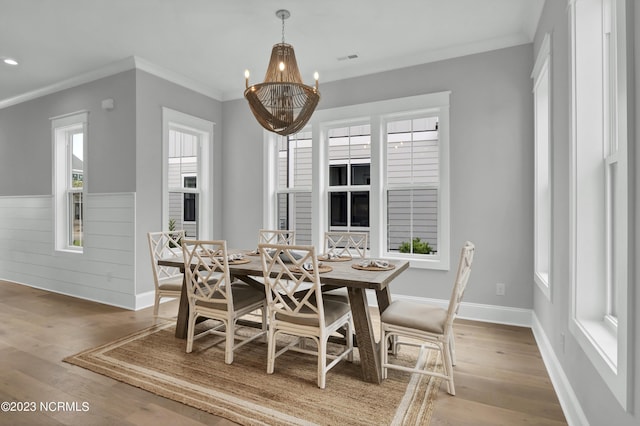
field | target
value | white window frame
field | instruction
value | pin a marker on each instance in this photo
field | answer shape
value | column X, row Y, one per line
column 543, row 197
column 374, row 113
column 415, row 257
column 290, row 191
column 204, row 130
column 349, row 188
column 599, row 251
column 62, row 127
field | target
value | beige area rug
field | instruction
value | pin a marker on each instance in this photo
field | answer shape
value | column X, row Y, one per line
column 154, row 360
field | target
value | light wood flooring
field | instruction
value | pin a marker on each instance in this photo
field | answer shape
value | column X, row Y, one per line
column 500, row 378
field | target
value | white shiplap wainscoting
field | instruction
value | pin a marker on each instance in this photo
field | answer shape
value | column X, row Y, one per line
column 104, row 272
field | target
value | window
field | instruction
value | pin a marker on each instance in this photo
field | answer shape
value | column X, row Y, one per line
column 190, row 206
column 69, row 146
column 542, row 167
column 349, row 178
column 345, row 173
column 412, row 185
column 599, row 188
column 294, row 186
column 187, row 159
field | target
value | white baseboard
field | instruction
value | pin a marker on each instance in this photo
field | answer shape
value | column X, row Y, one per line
column 144, row 300
column 524, row 318
column 118, row 300
column 473, row 311
column 567, row 397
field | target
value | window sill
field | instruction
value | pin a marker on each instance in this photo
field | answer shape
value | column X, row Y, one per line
column 603, row 340
column 68, row 252
column 542, row 280
column 435, row 262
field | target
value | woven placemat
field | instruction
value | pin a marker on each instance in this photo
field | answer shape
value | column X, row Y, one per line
column 324, row 258
column 372, row 268
column 239, row 261
column 321, row 269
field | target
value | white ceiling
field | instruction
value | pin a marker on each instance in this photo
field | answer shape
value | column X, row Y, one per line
column 212, row 42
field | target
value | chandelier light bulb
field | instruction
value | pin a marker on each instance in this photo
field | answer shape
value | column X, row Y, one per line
column 246, row 79
column 281, row 66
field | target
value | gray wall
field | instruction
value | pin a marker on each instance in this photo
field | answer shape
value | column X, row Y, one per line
column 599, row 405
column 153, row 93
column 124, row 158
column 105, row 270
column 26, row 146
column 491, row 167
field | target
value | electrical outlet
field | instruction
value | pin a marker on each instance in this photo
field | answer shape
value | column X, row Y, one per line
column 500, row 289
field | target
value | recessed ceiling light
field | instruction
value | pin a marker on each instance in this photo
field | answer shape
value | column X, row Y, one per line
column 10, row 61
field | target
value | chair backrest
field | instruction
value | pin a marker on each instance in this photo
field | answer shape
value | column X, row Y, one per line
column 353, row 244
column 162, row 245
column 462, row 278
column 276, row 236
column 206, row 267
column 292, row 282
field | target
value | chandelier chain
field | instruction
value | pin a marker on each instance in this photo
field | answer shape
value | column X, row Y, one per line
column 282, row 16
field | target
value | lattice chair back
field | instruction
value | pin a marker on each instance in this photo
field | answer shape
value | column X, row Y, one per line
column 207, row 273
column 292, row 282
column 345, row 244
column 163, row 245
column 462, row 278
column 276, row 236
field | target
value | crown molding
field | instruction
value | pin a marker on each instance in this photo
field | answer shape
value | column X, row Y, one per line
column 418, row 59
column 132, row 62
column 177, row 78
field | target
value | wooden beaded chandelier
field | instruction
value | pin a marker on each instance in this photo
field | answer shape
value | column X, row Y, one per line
column 282, row 104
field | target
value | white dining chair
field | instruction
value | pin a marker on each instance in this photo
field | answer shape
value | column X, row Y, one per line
column 276, row 236
column 426, row 325
column 345, row 244
column 299, row 310
column 167, row 280
column 212, row 295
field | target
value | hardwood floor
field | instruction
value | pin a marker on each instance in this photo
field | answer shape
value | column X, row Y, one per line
column 500, row 377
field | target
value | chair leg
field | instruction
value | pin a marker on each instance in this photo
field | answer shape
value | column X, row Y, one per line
column 394, row 345
column 156, row 304
column 271, row 351
column 229, row 330
column 349, row 338
column 190, row 331
column 452, row 348
column 448, row 368
column 322, row 363
column 384, row 353
column 264, row 318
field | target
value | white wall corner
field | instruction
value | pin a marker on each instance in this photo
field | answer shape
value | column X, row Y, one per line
column 567, row 397
column 146, row 299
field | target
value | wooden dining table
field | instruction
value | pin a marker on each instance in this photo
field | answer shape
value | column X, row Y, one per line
column 343, row 274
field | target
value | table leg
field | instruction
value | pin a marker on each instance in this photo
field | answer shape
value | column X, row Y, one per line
column 183, row 313
column 384, row 299
column 367, row 346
